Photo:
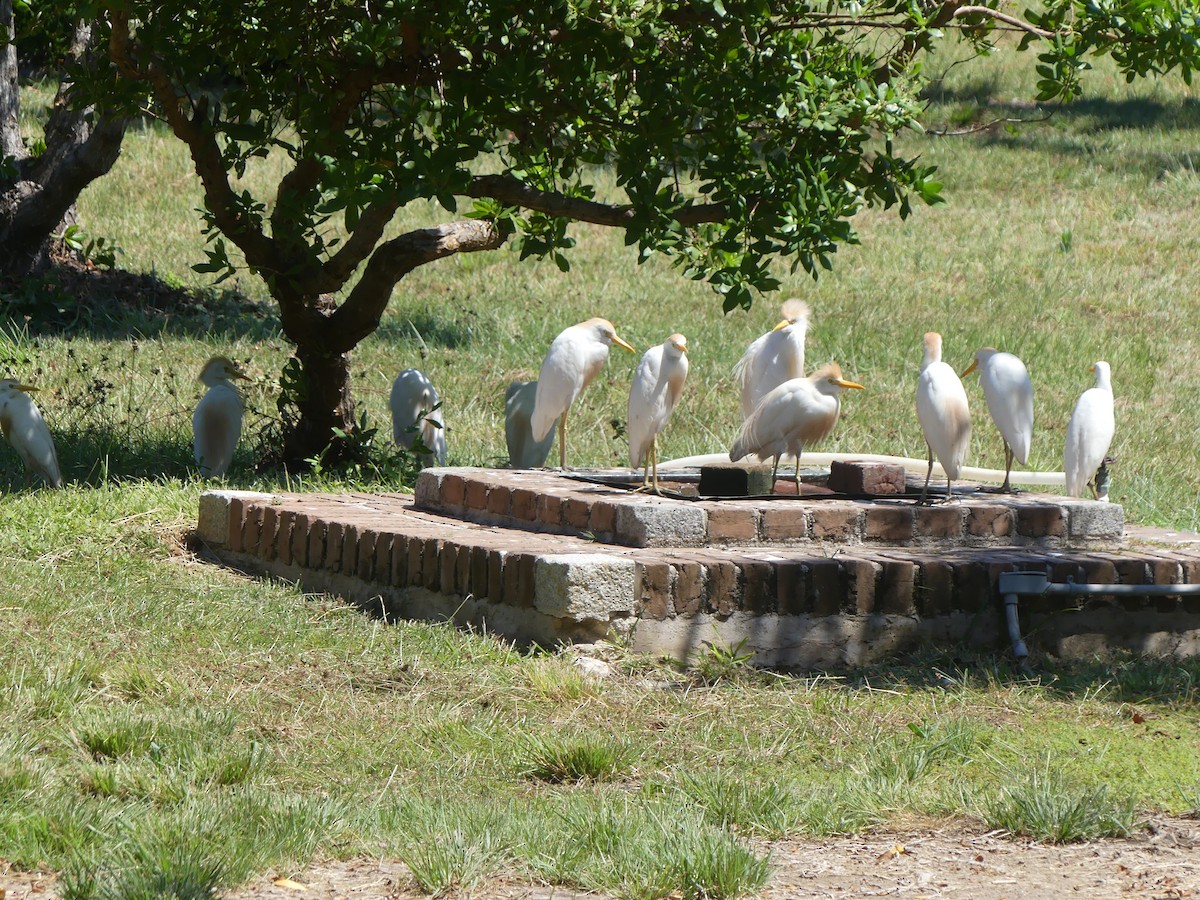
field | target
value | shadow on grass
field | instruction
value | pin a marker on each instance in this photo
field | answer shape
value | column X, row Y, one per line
column 1124, row 677
column 73, row 298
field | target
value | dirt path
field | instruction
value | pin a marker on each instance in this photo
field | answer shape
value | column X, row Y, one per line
column 1161, row 863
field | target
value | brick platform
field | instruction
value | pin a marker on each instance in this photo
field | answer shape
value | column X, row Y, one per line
column 807, row 583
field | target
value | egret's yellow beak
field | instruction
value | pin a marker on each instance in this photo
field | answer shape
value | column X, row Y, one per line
column 620, row 343
column 971, row 368
column 843, row 383
column 27, row 388
column 784, row 324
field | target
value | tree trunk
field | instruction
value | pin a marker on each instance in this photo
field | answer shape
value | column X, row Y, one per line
column 324, row 403
column 38, row 194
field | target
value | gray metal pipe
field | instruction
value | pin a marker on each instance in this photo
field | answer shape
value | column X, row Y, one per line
column 1017, row 584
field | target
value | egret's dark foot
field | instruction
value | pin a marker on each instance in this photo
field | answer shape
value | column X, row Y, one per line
column 1002, row 489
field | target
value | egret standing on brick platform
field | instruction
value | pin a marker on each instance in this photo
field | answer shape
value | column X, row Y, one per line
column 799, row 412
column 1009, row 395
column 572, row 361
column 773, row 358
column 22, row 424
column 217, row 421
column 656, row 388
column 1089, row 433
column 943, row 413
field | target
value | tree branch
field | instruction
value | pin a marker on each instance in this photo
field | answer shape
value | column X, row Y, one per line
column 357, row 247
column 516, row 193
column 1014, row 21
column 10, row 96
column 359, row 314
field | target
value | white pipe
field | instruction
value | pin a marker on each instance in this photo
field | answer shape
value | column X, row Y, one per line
column 915, row 466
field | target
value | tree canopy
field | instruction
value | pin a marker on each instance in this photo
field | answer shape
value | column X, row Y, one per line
column 738, row 132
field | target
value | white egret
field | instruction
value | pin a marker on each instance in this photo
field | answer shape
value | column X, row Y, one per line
column 523, row 451
column 799, row 412
column 217, row 421
column 657, row 385
column 774, row 357
column 414, row 404
column 943, row 413
column 22, row 424
column 1089, row 433
column 1009, row 395
column 572, row 361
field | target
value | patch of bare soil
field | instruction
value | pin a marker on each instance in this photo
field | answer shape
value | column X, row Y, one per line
column 1162, row 863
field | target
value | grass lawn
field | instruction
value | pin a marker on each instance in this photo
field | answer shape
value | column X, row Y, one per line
column 168, row 727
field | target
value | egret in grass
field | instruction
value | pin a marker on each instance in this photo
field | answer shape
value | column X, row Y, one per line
column 217, row 421
column 657, row 386
column 773, row 358
column 22, row 424
column 943, row 413
column 572, row 361
column 416, row 411
column 523, row 451
column 1009, row 395
column 1089, row 433
column 799, row 412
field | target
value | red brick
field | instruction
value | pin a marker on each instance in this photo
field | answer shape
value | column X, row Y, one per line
column 524, row 505
column 940, row 521
column 876, row 479
column 722, row 588
column 1131, row 570
column 399, row 568
column 267, row 532
column 495, row 582
column 603, row 520
column 990, row 521
column 653, row 592
column 479, row 572
column 383, row 558
column 790, row 588
column 316, row 543
column 283, row 536
column 894, row 593
column 365, row 568
column 861, row 575
column 462, row 570
column 499, row 500
column 349, row 564
column 784, row 522
column 454, row 490
column 526, row 569
column 550, row 511
column 237, row 522
column 300, row 537
column 334, row 534
column 935, row 588
column 893, row 524
column 448, row 568
column 475, row 497
column 759, row 588
column 1041, row 521
column 577, row 513
column 429, row 563
column 824, row 583
column 836, row 521
column 416, row 558
column 732, row 524
column 690, row 577
column 511, row 579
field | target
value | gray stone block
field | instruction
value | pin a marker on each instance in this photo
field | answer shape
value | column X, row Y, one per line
column 661, row 523
column 1091, row 519
column 428, row 491
column 584, row 586
column 212, row 525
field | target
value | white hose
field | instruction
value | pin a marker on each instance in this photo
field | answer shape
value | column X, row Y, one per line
column 915, row 466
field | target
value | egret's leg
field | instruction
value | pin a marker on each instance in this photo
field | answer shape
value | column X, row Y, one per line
column 928, row 475
column 654, row 462
column 1009, row 456
column 562, row 441
column 774, row 474
column 798, row 472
